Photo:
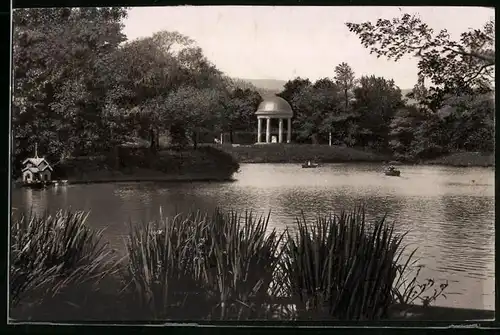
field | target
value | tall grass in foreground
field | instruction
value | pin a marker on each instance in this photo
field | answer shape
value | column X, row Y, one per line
column 340, row 267
column 218, row 266
column 51, row 252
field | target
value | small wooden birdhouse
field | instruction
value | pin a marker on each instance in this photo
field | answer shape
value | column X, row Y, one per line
column 36, row 169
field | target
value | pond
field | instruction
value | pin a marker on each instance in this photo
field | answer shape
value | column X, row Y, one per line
column 449, row 212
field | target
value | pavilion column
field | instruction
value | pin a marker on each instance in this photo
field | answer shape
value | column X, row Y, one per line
column 268, row 130
column 289, row 131
column 259, row 129
column 280, row 134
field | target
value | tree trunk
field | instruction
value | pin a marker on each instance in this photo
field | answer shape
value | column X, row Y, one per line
column 116, row 156
column 194, row 137
column 152, row 139
column 231, row 136
column 314, row 138
column 346, row 100
column 158, row 138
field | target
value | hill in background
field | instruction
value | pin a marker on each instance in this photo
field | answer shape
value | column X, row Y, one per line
column 265, row 87
column 268, row 87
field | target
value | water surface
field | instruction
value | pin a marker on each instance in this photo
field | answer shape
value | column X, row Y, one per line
column 449, row 212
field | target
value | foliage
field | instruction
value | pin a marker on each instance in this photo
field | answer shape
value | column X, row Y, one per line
column 80, row 89
column 376, row 102
column 227, row 266
column 226, row 164
column 453, row 67
column 51, row 252
column 292, row 87
column 238, row 110
column 315, row 106
column 222, row 264
column 341, row 267
column 56, row 57
column 345, row 79
column 407, row 290
column 404, row 131
column 465, row 124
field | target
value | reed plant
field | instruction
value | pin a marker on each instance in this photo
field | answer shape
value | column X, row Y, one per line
column 213, row 266
column 160, row 272
column 50, row 252
column 341, row 267
column 219, row 266
column 240, row 258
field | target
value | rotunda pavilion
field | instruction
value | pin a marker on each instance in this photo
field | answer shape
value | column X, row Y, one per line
column 274, row 108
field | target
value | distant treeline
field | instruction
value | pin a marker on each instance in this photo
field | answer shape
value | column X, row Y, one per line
column 81, row 89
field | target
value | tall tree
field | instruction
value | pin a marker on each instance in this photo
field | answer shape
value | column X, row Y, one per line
column 376, row 102
column 238, row 111
column 192, row 110
column 153, row 67
column 314, row 110
column 419, row 92
column 57, row 91
column 453, row 67
column 141, row 70
column 403, row 132
column 345, row 79
column 293, row 87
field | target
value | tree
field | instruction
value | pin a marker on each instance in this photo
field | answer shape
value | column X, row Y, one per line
column 238, row 111
column 315, row 106
column 293, row 87
column 376, row 102
column 57, row 92
column 469, row 123
column 453, row 67
column 403, row 130
column 190, row 110
column 344, row 78
column 151, row 68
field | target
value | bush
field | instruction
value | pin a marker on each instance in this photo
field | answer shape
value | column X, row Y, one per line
column 225, row 162
column 50, row 252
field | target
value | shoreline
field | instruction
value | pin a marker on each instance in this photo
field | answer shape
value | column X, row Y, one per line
column 440, row 313
column 172, row 179
column 396, row 312
column 139, row 179
column 400, row 163
column 299, row 153
column 189, row 178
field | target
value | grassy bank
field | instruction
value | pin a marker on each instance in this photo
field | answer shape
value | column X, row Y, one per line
column 216, row 266
column 465, row 159
column 138, row 164
column 299, row 153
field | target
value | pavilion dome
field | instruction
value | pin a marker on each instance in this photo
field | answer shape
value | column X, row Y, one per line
column 274, row 107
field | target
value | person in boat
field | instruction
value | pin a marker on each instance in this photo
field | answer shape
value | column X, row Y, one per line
column 391, row 168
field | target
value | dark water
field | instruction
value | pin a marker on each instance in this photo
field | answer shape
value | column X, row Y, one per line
column 448, row 211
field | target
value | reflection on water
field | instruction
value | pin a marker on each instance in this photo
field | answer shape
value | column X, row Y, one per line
column 449, row 212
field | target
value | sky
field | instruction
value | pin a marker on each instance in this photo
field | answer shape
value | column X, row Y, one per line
column 274, row 42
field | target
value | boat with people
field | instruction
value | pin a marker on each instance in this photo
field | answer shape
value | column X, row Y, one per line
column 309, row 165
column 392, row 171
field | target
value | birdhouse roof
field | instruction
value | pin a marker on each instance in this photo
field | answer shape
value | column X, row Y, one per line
column 36, row 162
column 31, row 169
